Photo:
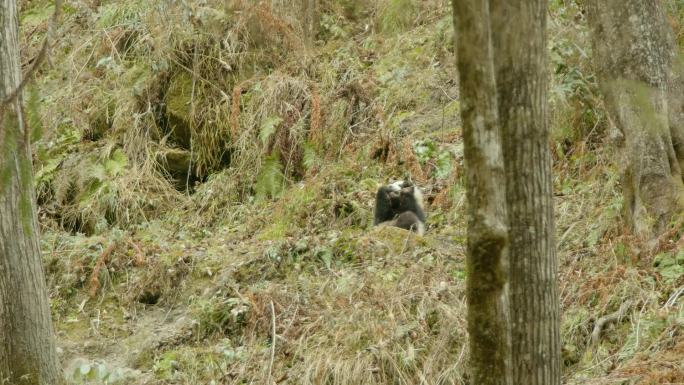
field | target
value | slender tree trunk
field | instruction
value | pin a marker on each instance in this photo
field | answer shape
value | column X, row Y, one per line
column 487, row 263
column 634, row 51
column 310, row 19
column 27, row 348
column 675, row 103
column 519, row 40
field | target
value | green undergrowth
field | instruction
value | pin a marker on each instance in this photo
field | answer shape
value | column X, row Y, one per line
column 344, row 300
column 229, row 93
column 206, row 175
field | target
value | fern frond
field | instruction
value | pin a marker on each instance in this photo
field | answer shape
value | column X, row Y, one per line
column 309, row 156
column 271, row 180
column 268, row 128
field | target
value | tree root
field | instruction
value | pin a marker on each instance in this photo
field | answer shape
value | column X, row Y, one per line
column 606, row 320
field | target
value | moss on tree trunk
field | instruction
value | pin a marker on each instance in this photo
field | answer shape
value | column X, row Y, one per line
column 27, row 347
column 635, row 55
column 488, row 325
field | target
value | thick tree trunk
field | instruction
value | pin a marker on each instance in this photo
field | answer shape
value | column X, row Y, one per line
column 487, row 264
column 519, row 40
column 675, row 101
column 27, row 348
column 635, row 56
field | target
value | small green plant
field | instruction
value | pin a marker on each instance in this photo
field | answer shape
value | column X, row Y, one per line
column 98, row 373
column 271, row 180
column 574, row 104
column 268, row 128
column 51, row 154
column 220, row 314
column 396, row 15
column 670, row 265
column 99, row 177
column 35, row 124
column 167, row 365
column 309, row 157
column 428, row 151
column 332, row 27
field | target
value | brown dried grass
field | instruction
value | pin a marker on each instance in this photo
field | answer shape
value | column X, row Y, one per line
column 315, row 132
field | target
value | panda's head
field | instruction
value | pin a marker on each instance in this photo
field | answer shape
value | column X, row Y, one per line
column 402, row 191
column 399, row 185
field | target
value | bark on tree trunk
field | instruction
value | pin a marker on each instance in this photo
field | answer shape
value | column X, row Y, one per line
column 642, row 87
column 310, row 19
column 27, row 347
column 519, row 40
column 488, row 324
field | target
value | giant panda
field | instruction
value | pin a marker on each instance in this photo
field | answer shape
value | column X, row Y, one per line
column 400, row 204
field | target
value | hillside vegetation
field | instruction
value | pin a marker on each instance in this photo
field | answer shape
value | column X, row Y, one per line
column 206, row 172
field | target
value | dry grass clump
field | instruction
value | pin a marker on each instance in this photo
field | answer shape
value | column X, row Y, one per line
column 192, row 88
column 153, row 87
column 347, row 309
column 160, row 281
column 659, row 367
column 616, row 315
column 93, row 190
column 281, row 126
column 268, row 143
column 80, row 267
column 405, row 327
column 277, row 120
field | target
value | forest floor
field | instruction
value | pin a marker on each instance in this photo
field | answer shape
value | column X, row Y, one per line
column 262, row 269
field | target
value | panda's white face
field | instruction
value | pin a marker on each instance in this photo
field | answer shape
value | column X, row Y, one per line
column 402, row 184
column 396, row 186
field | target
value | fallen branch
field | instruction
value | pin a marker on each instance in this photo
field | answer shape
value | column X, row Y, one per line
column 101, row 261
column 606, row 320
column 39, row 58
column 139, row 259
column 273, row 343
column 673, row 298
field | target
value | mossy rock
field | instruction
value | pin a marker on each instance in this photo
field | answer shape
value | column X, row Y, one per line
column 176, row 162
column 396, row 240
column 178, row 109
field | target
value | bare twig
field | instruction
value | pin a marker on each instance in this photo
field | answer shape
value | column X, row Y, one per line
column 101, row 261
column 273, row 343
column 566, row 233
column 673, row 298
column 606, row 320
column 39, row 58
column 406, row 240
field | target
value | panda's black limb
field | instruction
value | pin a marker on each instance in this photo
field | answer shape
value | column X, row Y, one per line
column 408, row 220
column 385, row 198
